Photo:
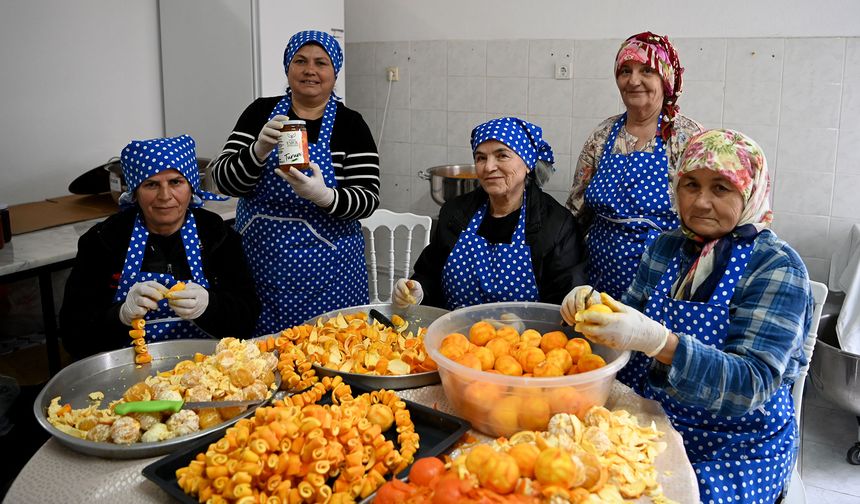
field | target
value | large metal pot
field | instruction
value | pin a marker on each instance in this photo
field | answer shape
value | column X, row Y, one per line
column 450, row 181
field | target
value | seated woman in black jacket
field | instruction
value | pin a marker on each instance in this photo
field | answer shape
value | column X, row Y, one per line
column 505, row 241
column 126, row 264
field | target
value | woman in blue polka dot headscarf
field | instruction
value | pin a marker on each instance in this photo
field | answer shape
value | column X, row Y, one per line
column 300, row 229
column 717, row 317
column 505, row 241
column 126, row 264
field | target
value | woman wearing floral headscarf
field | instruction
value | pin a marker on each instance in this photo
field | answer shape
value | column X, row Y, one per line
column 162, row 235
column 727, row 306
column 620, row 191
column 505, row 241
column 300, row 230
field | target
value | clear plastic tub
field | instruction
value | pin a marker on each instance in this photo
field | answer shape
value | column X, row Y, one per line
column 500, row 405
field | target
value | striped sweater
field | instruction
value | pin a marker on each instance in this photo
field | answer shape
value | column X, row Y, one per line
column 353, row 151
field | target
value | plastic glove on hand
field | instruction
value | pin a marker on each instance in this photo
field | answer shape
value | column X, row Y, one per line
column 190, row 302
column 268, row 137
column 625, row 328
column 311, row 188
column 577, row 300
column 142, row 297
column 407, row 292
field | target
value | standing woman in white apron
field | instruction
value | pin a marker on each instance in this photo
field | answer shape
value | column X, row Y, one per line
column 717, row 316
column 505, row 241
column 300, row 230
column 620, row 192
column 161, row 236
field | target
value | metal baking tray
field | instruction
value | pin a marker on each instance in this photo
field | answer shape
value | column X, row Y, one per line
column 416, row 316
column 113, row 373
column 437, row 433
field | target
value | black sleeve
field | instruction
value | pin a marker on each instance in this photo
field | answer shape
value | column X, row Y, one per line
column 236, row 170
column 428, row 267
column 563, row 265
column 233, row 304
column 89, row 318
column 356, row 165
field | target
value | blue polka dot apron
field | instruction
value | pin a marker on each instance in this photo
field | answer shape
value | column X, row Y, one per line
column 630, row 198
column 162, row 324
column 479, row 272
column 303, row 261
column 736, row 459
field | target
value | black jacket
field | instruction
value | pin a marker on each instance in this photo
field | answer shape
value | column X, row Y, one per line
column 557, row 247
column 89, row 318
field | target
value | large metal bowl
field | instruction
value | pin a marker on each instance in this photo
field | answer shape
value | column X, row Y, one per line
column 834, row 372
column 417, row 316
column 112, row 373
column 449, row 181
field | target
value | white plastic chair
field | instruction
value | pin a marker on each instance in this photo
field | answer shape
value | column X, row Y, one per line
column 796, row 492
column 391, row 221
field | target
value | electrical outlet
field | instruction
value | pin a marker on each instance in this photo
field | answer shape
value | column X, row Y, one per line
column 562, row 71
column 393, row 73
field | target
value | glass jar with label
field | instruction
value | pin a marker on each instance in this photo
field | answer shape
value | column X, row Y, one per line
column 293, row 146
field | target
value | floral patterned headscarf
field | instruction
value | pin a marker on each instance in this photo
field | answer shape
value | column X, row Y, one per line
column 657, row 52
column 741, row 161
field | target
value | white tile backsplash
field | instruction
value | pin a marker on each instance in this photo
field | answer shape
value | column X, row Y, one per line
column 703, row 101
column 702, row 59
column 805, row 193
column 507, row 96
column 846, row 204
column 796, row 97
column 751, row 102
column 550, row 97
column 467, row 57
column 508, row 58
column 819, row 269
column 807, row 234
column 595, row 59
column 429, row 127
column 838, row 233
column 429, row 92
column 807, row 149
column 754, row 60
column 816, row 59
column 810, row 103
column 544, row 54
column 467, row 94
column 359, row 59
column 428, row 57
column 595, row 97
column 556, row 131
column 848, row 152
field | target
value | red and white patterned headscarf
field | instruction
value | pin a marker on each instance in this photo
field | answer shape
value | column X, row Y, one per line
column 657, row 52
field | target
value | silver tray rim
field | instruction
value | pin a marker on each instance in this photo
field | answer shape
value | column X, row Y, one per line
column 393, row 382
column 125, row 357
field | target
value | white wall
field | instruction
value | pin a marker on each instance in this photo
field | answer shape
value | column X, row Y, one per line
column 78, row 81
column 392, row 20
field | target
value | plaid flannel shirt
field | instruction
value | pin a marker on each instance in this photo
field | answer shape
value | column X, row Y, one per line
column 770, row 315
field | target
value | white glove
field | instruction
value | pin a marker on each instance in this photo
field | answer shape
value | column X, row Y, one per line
column 625, row 329
column 311, row 188
column 190, row 302
column 407, row 292
column 142, row 297
column 268, row 137
column 578, row 300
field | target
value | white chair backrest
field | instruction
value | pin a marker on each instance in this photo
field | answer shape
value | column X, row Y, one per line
column 819, row 293
column 390, row 221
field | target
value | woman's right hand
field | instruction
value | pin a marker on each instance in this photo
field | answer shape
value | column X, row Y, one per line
column 268, row 137
column 578, row 299
column 407, row 292
column 142, row 297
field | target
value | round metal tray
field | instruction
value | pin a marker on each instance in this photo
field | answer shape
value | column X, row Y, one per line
column 112, row 373
column 417, row 316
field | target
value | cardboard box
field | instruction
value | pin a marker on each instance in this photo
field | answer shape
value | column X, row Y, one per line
column 61, row 210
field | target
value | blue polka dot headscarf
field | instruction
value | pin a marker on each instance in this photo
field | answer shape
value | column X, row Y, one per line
column 523, row 137
column 327, row 42
column 142, row 159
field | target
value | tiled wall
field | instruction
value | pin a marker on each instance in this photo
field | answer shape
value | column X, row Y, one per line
column 798, row 97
